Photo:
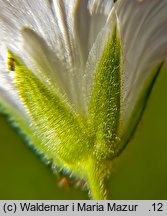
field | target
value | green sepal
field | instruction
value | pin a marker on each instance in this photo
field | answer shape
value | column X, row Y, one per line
column 104, row 107
column 62, row 133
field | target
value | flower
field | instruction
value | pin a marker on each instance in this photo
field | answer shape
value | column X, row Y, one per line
column 75, row 76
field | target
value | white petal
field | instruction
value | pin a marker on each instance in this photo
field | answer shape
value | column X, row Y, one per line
column 143, row 30
column 43, row 62
column 79, row 23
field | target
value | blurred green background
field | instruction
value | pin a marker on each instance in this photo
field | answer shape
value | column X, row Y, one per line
column 139, row 173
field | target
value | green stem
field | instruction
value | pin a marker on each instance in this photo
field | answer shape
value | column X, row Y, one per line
column 97, row 181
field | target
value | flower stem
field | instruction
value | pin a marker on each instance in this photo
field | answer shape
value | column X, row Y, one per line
column 97, row 180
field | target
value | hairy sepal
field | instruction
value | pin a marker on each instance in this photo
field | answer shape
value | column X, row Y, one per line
column 62, row 133
column 104, row 107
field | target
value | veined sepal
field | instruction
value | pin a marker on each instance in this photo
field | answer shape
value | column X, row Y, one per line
column 62, row 133
column 104, row 107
